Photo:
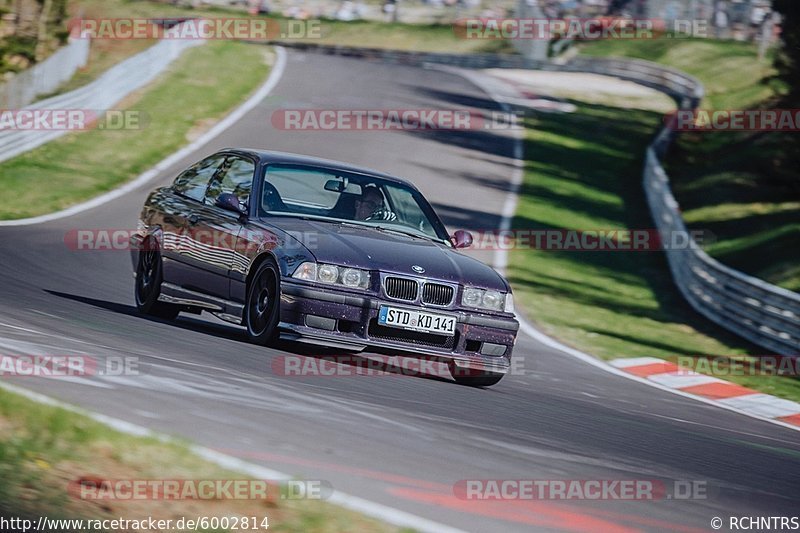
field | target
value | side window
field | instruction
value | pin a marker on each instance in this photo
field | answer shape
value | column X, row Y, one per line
column 408, row 210
column 236, row 177
column 192, row 183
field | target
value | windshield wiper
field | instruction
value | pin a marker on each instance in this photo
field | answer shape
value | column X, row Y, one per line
column 406, row 232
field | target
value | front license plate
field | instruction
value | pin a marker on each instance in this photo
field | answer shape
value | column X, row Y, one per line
column 396, row 317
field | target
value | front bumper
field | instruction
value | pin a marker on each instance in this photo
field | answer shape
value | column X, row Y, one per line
column 347, row 321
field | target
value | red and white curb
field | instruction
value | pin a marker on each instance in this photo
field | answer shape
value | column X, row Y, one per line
column 725, row 393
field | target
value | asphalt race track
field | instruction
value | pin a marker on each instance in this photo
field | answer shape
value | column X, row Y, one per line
column 401, row 441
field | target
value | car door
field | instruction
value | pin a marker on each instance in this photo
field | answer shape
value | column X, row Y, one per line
column 215, row 230
column 178, row 212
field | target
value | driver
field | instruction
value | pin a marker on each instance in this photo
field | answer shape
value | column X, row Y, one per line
column 370, row 206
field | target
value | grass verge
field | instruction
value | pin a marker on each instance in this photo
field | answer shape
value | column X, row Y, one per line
column 399, row 36
column 583, row 171
column 105, row 53
column 730, row 71
column 44, row 449
column 740, row 186
column 421, row 37
column 201, row 86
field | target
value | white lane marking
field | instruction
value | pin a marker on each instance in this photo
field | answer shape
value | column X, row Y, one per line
column 500, row 263
column 379, row 511
column 683, row 379
column 220, row 127
column 735, row 431
column 11, row 326
column 89, row 382
column 206, row 390
column 24, row 347
column 764, row 405
column 635, row 361
column 209, row 386
column 45, row 314
column 57, row 336
column 612, row 463
column 146, row 414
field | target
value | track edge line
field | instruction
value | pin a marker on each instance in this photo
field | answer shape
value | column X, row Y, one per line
column 375, row 510
column 262, row 92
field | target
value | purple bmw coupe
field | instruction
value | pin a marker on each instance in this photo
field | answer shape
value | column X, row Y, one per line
column 322, row 252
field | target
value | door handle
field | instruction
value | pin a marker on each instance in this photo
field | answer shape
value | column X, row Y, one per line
column 194, row 219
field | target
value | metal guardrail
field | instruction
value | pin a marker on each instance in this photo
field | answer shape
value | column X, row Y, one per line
column 762, row 313
column 98, row 96
column 765, row 314
column 44, row 77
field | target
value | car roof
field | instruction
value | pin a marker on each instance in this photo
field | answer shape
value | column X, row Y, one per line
column 269, row 156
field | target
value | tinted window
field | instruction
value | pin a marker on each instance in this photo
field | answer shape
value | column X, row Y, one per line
column 408, row 210
column 304, row 186
column 235, row 177
column 193, row 182
column 343, row 196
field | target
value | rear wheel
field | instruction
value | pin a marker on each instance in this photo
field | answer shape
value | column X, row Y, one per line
column 149, row 275
column 262, row 306
column 474, row 378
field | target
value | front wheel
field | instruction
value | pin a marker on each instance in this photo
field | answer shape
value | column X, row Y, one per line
column 263, row 303
column 474, row 378
column 149, row 274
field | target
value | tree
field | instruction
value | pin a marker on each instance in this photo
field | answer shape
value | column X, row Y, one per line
column 37, row 29
column 788, row 59
column 41, row 30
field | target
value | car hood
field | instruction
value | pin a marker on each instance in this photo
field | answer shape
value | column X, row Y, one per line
column 369, row 248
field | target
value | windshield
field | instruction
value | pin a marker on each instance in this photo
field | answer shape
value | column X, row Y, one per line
column 294, row 190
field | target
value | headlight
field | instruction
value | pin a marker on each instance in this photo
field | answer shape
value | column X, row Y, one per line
column 353, row 278
column 472, row 297
column 487, row 299
column 493, row 300
column 327, row 273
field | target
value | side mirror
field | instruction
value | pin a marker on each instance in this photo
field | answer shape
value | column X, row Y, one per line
column 229, row 202
column 461, row 239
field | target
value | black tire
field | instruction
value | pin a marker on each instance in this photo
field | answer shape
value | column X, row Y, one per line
column 475, row 378
column 262, row 307
column 149, row 275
